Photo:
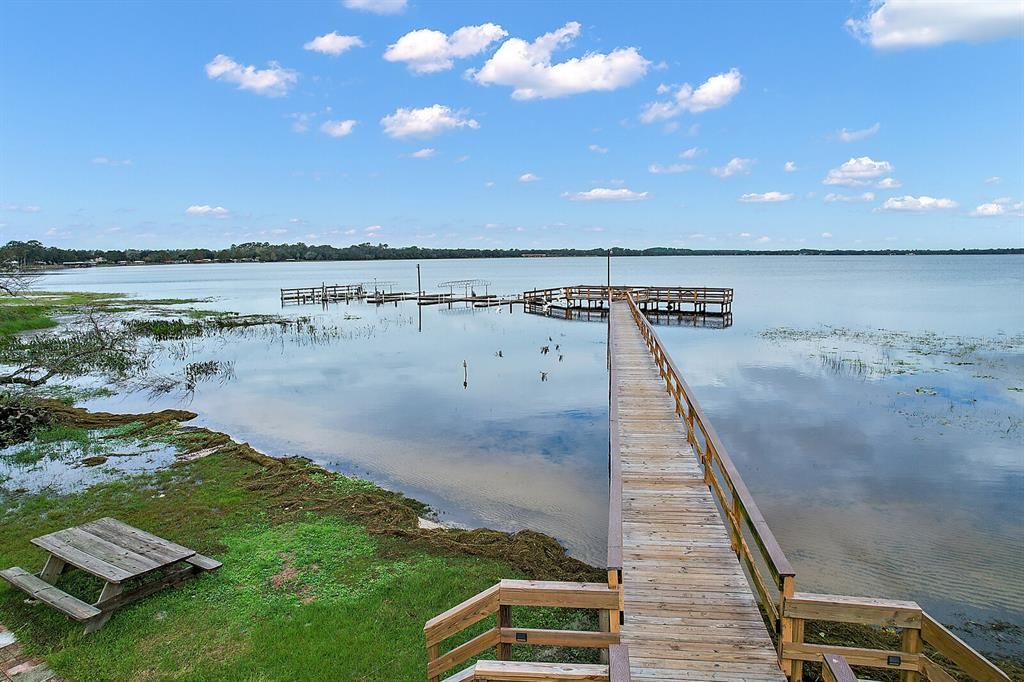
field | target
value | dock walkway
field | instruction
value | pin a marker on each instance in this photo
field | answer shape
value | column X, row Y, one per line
column 689, row 610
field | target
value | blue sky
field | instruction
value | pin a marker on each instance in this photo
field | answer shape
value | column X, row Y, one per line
column 537, row 125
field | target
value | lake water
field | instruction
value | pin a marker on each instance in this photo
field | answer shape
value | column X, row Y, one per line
column 885, row 464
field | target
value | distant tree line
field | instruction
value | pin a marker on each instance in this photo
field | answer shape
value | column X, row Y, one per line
column 35, row 253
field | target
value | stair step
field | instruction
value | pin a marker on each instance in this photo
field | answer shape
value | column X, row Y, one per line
column 39, row 589
column 515, row 671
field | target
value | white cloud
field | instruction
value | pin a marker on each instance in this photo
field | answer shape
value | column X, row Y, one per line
column 424, row 153
column 734, row 167
column 106, row 161
column 352, row 231
column 606, row 194
column 826, row 235
column 691, row 153
column 888, row 183
column 745, row 235
column 988, row 210
column 425, row 122
column 528, row 177
column 790, row 167
column 274, row 81
column 855, row 135
column 994, row 180
column 429, row 51
column 832, row 197
column 338, row 128
column 659, row 169
column 763, row 240
column 923, row 23
column 598, row 149
column 20, row 208
column 917, row 204
column 857, row 171
column 489, row 184
column 999, row 207
column 765, row 197
column 527, row 67
column 372, row 229
column 333, row 44
column 713, row 93
column 300, row 120
column 377, row 6
column 206, row 209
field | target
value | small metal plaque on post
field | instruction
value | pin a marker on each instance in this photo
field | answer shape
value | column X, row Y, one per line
column 894, row 660
column 520, row 636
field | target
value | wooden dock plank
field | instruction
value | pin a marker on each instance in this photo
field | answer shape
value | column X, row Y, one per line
column 690, row 613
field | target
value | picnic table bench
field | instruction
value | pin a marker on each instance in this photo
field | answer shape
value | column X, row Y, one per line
column 114, row 552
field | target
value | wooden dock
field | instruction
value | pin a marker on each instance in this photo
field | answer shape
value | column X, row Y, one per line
column 323, row 294
column 696, row 579
column 689, row 613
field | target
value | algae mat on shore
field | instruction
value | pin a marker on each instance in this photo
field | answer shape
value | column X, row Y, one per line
column 324, row 577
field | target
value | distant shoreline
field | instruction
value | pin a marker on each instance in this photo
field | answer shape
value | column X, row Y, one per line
column 37, row 255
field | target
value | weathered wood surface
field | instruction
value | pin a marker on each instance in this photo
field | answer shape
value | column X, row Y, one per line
column 112, row 550
column 37, row 588
column 115, row 552
column 689, row 610
column 834, row 668
column 515, row 671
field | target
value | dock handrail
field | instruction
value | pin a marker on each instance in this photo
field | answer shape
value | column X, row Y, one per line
column 498, row 600
column 917, row 629
column 614, row 463
column 739, row 507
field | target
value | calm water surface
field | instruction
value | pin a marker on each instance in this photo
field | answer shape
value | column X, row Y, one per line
column 905, row 484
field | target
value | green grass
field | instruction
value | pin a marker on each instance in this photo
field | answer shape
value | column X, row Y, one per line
column 33, row 310
column 15, row 319
column 302, row 595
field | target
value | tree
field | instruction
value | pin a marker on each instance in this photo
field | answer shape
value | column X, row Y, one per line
column 14, row 280
column 100, row 346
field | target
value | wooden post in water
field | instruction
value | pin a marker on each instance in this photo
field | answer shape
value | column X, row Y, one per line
column 419, row 283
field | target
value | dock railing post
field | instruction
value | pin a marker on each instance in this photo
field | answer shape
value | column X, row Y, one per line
column 504, row 650
column 433, row 651
column 791, row 630
column 911, row 644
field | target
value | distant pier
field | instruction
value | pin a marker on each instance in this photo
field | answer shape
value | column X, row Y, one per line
column 691, row 306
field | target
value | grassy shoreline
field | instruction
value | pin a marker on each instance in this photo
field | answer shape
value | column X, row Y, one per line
column 325, row 577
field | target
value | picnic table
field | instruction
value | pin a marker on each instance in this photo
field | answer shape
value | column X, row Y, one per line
column 114, row 552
